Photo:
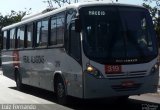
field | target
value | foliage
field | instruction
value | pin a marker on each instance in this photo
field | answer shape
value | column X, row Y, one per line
column 11, row 18
column 154, row 8
column 60, row 3
column 157, row 2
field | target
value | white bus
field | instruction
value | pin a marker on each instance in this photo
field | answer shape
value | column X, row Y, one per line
column 85, row 50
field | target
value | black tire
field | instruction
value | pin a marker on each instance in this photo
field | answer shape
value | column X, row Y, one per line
column 60, row 91
column 18, row 79
column 122, row 99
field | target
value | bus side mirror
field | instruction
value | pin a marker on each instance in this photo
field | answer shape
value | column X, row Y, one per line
column 78, row 25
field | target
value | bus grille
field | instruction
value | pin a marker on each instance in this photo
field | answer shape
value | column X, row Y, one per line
column 127, row 74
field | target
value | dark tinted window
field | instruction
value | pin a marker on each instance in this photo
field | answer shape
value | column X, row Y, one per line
column 20, row 37
column 57, row 29
column 74, row 43
column 4, row 39
column 116, row 33
column 60, row 28
column 42, row 33
column 53, row 38
column 12, row 38
column 29, row 40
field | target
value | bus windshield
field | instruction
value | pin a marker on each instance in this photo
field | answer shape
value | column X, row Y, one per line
column 118, row 34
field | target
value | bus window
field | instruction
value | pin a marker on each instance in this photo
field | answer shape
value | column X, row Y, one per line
column 74, row 48
column 29, row 35
column 42, row 33
column 57, row 29
column 60, row 29
column 20, row 37
column 4, row 39
column 39, row 26
column 12, row 38
column 71, row 14
column 53, row 40
column 111, row 36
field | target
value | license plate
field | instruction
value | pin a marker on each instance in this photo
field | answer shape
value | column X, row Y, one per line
column 127, row 83
column 113, row 69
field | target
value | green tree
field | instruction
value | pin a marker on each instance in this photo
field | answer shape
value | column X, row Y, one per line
column 154, row 8
column 157, row 2
column 60, row 3
column 13, row 17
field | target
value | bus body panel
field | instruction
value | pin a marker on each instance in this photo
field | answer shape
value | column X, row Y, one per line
column 113, row 86
column 103, row 87
column 7, row 64
column 38, row 68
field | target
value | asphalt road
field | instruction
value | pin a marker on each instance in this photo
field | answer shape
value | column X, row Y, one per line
column 38, row 99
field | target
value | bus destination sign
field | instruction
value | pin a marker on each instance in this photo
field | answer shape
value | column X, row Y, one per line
column 96, row 13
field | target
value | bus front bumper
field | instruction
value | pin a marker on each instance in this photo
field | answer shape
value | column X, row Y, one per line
column 104, row 88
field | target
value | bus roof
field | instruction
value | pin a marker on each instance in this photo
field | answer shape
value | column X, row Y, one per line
column 75, row 6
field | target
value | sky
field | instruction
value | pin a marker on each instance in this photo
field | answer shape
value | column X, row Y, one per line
column 37, row 5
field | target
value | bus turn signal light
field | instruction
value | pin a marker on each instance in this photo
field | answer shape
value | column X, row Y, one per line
column 90, row 69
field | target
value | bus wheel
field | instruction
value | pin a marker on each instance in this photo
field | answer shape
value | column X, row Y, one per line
column 19, row 81
column 61, row 91
column 122, row 99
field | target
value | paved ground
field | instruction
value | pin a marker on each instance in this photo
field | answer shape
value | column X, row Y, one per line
column 10, row 98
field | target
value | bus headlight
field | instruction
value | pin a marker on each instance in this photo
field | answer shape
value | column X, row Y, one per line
column 94, row 72
column 155, row 68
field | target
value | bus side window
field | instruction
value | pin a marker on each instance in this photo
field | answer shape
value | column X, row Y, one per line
column 29, row 39
column 5, row 40
column 8, row 40
column 60, row 28
column 42, row 33
column 74, row 47
column 53, row 38
column 20, row 37
column 12, row 38
column 71, row 14
column 39, row 26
